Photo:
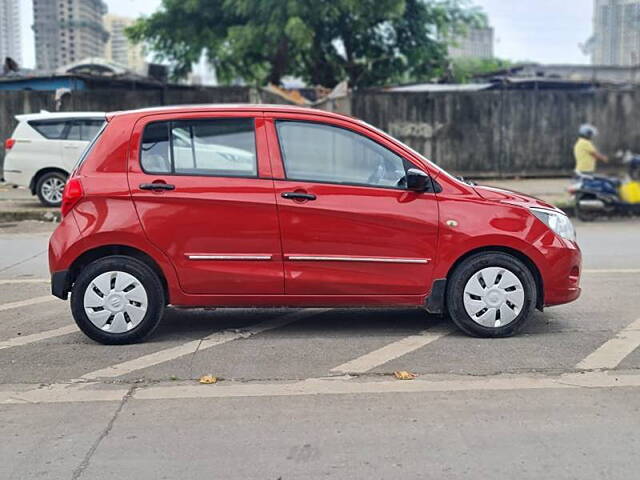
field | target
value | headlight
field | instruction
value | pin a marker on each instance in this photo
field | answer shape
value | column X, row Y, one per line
column 558, row 222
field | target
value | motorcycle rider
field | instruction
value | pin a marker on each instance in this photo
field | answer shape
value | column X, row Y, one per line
column 585, row 152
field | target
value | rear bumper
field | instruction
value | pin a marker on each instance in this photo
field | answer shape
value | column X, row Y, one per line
column 17, row 177
column 60, row 284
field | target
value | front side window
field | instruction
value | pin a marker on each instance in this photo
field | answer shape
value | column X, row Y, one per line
column 214, row 147
column 323, row 153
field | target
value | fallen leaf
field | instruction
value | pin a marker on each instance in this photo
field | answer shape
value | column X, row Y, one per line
column 208, row 379
column 404, row 375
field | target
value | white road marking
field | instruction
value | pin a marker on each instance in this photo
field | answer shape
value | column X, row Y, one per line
column 37, row 337
column 28, row 302
column 392, row 351
column 189, row 348
column 20, row 281
column 97, row 392
column 614, row 351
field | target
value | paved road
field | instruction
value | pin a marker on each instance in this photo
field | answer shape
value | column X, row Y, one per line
column 308, row 393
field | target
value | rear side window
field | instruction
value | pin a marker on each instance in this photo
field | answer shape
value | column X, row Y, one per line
column 84, row 129
column 211, row 147
column 51, row 129
column 89, row 148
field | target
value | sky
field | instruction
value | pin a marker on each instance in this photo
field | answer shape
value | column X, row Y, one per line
column 545, row 31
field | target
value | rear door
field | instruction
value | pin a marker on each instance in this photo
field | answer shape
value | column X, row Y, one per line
column 349, row 225
column 203, row 191
column 44, row 149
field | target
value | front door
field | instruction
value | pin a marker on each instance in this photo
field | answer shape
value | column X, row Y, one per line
column 200, row 198
column 349, row 226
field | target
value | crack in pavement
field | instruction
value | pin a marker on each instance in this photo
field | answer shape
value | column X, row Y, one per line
column 77, row 473
column 193, row 357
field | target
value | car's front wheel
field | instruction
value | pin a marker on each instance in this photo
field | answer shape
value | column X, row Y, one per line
column 49, row 188
column 117, row 300
column 491, row 294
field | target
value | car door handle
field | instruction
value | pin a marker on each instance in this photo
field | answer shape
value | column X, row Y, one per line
column 298, row 196
column 157, row 186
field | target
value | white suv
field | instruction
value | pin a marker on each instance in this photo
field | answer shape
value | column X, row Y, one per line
column 45, row 147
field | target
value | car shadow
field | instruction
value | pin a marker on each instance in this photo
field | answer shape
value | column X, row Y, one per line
column 195, row 323
column 192, row 324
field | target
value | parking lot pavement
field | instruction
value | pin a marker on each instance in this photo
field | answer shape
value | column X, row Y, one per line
column 309, row 393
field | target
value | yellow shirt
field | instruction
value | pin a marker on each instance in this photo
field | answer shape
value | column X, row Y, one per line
column 583, row 151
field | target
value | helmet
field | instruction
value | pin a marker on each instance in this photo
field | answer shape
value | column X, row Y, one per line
column 588, row 131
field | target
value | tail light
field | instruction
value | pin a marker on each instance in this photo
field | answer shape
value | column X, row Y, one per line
column 71, row 195
column 9, row 143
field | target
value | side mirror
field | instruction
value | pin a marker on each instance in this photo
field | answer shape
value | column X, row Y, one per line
column 417, row 180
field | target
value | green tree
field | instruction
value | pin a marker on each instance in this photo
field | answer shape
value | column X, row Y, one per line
column 464, row 69
column 367, row 42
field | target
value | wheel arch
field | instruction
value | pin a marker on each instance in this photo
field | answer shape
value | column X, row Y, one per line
column 36, row 177
column 109, row 250
column 530, row 264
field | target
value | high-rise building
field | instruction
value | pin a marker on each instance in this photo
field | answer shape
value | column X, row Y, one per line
column 616, row 27
column 119, row 48
column 477, row 43
column 67, row 31
column 10, row 30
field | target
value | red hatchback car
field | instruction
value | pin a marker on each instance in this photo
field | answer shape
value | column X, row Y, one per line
column 241, row 205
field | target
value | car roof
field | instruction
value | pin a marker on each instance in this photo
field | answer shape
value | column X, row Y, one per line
column 58, row 116
column 227, row 107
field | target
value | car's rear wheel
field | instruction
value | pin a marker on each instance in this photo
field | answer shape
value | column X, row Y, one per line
column 49, row 188
column 491, row 294
column 117, row 300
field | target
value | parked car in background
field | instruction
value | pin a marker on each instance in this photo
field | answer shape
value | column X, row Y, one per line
column 43, row 149
column 245, row 206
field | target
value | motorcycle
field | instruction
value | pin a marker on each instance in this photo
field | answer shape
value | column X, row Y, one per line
column 598, row 195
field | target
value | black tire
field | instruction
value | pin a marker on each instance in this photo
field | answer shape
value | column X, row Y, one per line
column 146, row 277
column 456, row 293
column 585, row 215
column 46, row 179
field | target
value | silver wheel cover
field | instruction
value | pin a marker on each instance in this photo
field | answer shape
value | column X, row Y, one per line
column 493, row 297
column 52, row 189
column 115, row 302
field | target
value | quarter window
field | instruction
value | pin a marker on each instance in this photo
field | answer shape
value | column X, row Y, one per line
column 216, row 147
column 324, row 153
column 52, row 130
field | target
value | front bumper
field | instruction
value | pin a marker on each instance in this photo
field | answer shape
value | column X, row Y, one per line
column 561, row 279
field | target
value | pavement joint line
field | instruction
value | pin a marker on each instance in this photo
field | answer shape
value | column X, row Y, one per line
column 25, row 260
column 393, row 350
column 37, row 337
column 611, row 353
column 80, row 393
column 28, row 302
column 189, row 348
